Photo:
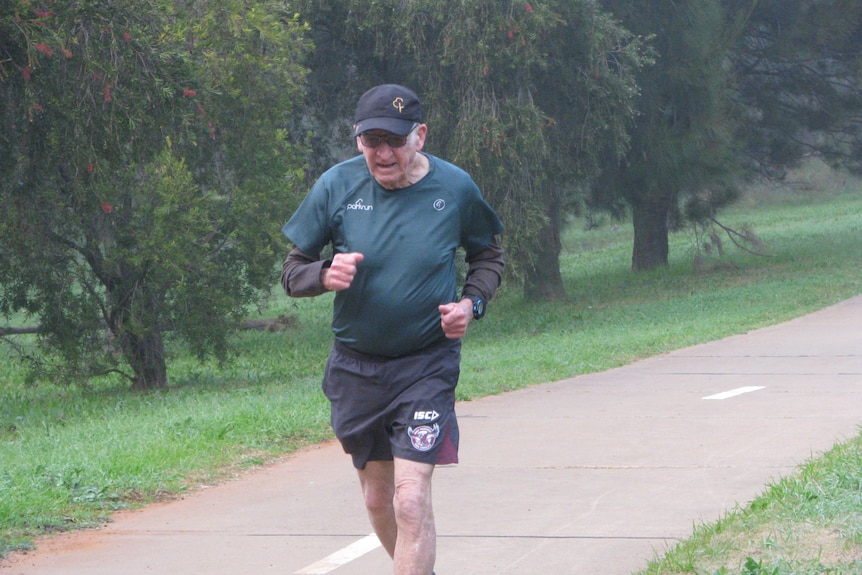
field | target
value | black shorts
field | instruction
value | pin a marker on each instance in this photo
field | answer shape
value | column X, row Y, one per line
column 395, row 407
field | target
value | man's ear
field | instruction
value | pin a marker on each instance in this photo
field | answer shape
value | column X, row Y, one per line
column 421, row 133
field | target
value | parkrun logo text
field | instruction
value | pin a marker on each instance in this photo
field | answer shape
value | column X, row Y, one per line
column 359, row 205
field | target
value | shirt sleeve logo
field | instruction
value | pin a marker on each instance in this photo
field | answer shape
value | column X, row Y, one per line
column 439, row 204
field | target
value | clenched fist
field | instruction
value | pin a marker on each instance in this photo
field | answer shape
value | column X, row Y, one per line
column 455, row 317
column 340, row 274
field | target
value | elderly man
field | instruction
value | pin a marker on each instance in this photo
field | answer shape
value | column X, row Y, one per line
column 394, row 217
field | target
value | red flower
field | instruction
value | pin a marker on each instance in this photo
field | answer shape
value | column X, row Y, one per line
column 26, row 72
column 527, row 7
column 44, row 48
column 126, row 36
column 91, row 167
column 189, row 93
column 107, row 208
column 67, row 53
column 108, row 97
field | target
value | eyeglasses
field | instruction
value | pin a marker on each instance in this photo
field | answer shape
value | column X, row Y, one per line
column 374, row 140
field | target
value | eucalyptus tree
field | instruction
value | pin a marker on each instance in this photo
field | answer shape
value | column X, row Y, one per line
column 684, row 160
column 144, row 173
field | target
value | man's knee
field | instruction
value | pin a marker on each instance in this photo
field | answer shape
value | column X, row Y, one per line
column 378, row 488
column 412, row 500
column 411, row 506
column 378, row 501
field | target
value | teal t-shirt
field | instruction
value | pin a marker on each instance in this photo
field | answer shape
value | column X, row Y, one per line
column 408, row 237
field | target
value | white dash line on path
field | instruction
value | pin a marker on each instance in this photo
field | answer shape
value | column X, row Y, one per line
column 342, row 557
column 735, row 392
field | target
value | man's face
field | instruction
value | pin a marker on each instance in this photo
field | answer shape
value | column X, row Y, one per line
column 393, row 167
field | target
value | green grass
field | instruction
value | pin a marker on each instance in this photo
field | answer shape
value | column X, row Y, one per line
column 806, row 524
column 70, row 456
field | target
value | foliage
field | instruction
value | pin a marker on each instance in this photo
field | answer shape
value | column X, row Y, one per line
column 143, row 174
column 798, row 66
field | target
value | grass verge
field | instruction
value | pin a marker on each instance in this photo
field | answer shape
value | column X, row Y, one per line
column 806, row 524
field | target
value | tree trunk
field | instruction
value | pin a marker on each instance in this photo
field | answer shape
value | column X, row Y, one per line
column 134, row 321
column 146, row 356
column 651, row 234
column 542, row 278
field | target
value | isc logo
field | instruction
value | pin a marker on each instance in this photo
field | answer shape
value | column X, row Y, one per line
column 425, row 415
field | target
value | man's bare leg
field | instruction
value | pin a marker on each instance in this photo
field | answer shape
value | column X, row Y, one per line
column 378, row 489
column 398, row 499
column 416, row 548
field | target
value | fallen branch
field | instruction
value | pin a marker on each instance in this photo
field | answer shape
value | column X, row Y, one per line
column 29, row 329
column 279, row 323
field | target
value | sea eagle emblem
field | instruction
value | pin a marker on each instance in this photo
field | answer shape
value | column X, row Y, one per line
column 423, row 437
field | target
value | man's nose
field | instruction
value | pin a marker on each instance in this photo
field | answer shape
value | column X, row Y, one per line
column 384, row 149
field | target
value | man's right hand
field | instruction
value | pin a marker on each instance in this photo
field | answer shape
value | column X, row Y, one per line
column 340, row 274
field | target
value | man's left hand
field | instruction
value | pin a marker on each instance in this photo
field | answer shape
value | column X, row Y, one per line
column 455, row 317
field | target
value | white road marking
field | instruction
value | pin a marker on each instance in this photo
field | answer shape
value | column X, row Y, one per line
column 342, row 557
column 735, row 392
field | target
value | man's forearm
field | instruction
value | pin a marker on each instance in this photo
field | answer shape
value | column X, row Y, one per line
column 484, row 272
column 301, row 274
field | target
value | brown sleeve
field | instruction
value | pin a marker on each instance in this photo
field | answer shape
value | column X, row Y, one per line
column 484, row 272
column 300, row 274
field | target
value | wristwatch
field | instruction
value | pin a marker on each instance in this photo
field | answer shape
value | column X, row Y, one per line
column 478, row 306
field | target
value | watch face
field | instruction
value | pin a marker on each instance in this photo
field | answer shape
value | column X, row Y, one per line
column 478, row 308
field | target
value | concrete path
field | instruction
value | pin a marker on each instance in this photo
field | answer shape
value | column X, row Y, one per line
column 591, row 475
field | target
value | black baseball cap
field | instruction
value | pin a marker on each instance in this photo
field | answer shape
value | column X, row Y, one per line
column 388, row 107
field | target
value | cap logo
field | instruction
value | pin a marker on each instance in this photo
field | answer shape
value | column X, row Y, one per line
column 398, row 104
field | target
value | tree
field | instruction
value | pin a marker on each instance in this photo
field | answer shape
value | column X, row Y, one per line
column 798, row 64
column 587, row 92
column 683, row 160
column 144, row 174
column 524, row 97
column 342, row 65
